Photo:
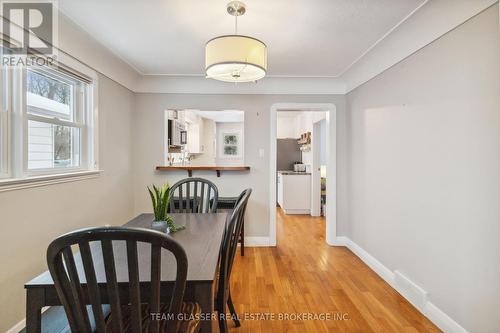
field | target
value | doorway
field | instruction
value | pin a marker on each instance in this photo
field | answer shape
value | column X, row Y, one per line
column 330, row 167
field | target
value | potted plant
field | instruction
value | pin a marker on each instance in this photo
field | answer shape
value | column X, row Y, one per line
column 160, row 198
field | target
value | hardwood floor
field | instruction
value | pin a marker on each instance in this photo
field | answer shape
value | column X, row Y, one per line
column 304, row 275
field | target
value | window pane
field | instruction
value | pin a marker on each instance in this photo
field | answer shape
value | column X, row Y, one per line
column 52, row 146
column 230, row 150
column 48, row 96
column 230, row 139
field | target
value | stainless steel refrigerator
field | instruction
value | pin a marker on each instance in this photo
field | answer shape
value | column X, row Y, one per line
column 288, row 153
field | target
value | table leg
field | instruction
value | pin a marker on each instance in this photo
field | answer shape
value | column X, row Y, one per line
column 242, row 240
column 34, row 303
column 203, row 294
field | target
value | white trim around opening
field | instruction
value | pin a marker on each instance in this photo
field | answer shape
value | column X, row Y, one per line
column 331, row 152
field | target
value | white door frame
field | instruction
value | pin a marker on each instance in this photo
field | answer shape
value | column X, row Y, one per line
column 331, row 158
column 316, row 169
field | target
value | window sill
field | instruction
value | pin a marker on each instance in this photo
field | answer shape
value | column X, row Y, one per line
column 37, row 181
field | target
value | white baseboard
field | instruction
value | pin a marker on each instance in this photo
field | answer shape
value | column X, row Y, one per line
column 384, row 272
column 257, row 241
column 412, row 292
column 297, row 211
column 17, row 327
column 22, row 324
column 339, row 241
column 442, row 320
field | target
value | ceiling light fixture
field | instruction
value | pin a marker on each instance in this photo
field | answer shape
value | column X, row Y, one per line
column 235, row 58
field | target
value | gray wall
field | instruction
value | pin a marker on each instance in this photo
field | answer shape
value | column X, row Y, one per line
column 424, row 138
column 148, row 148
column 31, row 218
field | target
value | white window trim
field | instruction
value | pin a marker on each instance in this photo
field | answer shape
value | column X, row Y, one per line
column 43, row 180
column 81, row 123
column 17, row 175
column 4, row 127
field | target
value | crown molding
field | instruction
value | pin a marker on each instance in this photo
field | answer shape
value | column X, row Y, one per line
column 267, row 85
column 75, row 41
column 427, row 24
column 382, row 38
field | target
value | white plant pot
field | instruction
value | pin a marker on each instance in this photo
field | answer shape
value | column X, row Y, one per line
column 161, row 226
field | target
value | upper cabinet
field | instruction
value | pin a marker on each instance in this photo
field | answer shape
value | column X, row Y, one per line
column 195, row 138
column 189, row 116
column 194, row 127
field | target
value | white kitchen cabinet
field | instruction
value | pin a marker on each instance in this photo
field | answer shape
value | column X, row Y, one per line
column 190, row 116
column 280, row 189
column 194, row 133
column 294, row 192
column 195, row 137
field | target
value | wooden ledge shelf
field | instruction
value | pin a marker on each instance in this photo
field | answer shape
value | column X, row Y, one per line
column 190, row 168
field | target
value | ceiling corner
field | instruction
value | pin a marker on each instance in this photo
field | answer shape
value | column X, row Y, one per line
column 431, row 21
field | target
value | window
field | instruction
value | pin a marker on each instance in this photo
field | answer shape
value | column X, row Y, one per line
column 55, row 115
column 50, row 128
column 230, row 144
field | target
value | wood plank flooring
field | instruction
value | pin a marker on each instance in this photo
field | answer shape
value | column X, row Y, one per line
column 304, row 275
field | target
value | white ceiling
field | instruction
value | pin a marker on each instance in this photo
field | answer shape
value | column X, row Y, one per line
column 304, row 38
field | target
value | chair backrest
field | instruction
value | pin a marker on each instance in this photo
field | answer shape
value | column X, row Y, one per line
column 231, row 237
column 193, row 195
column 74, row 295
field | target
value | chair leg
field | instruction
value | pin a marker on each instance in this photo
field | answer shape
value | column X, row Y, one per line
column 222, row 319
column 234, row 315
column 242, row 238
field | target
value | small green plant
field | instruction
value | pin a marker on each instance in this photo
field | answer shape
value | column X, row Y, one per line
column 160, row 198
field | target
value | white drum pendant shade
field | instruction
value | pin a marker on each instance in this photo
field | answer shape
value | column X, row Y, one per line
column 235, row 58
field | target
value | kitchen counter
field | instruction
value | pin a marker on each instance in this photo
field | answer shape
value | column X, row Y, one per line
column 191, row 168
column 291, row 172
column 294, row 193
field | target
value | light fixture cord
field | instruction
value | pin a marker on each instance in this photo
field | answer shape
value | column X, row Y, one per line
column 236, row 25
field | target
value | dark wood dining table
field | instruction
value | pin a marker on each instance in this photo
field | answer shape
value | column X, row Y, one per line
column 202, row 240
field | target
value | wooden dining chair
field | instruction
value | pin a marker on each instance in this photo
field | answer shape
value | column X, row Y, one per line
column 193, row 195
column 229, row 245
column 76, row 281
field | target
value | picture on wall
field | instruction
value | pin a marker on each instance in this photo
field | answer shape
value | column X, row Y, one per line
column 231, row 141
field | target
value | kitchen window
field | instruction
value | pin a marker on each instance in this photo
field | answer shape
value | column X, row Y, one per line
column 231, row 144
column 47, row 124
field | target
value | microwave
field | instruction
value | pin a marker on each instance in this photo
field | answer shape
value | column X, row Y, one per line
column 177, row 135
